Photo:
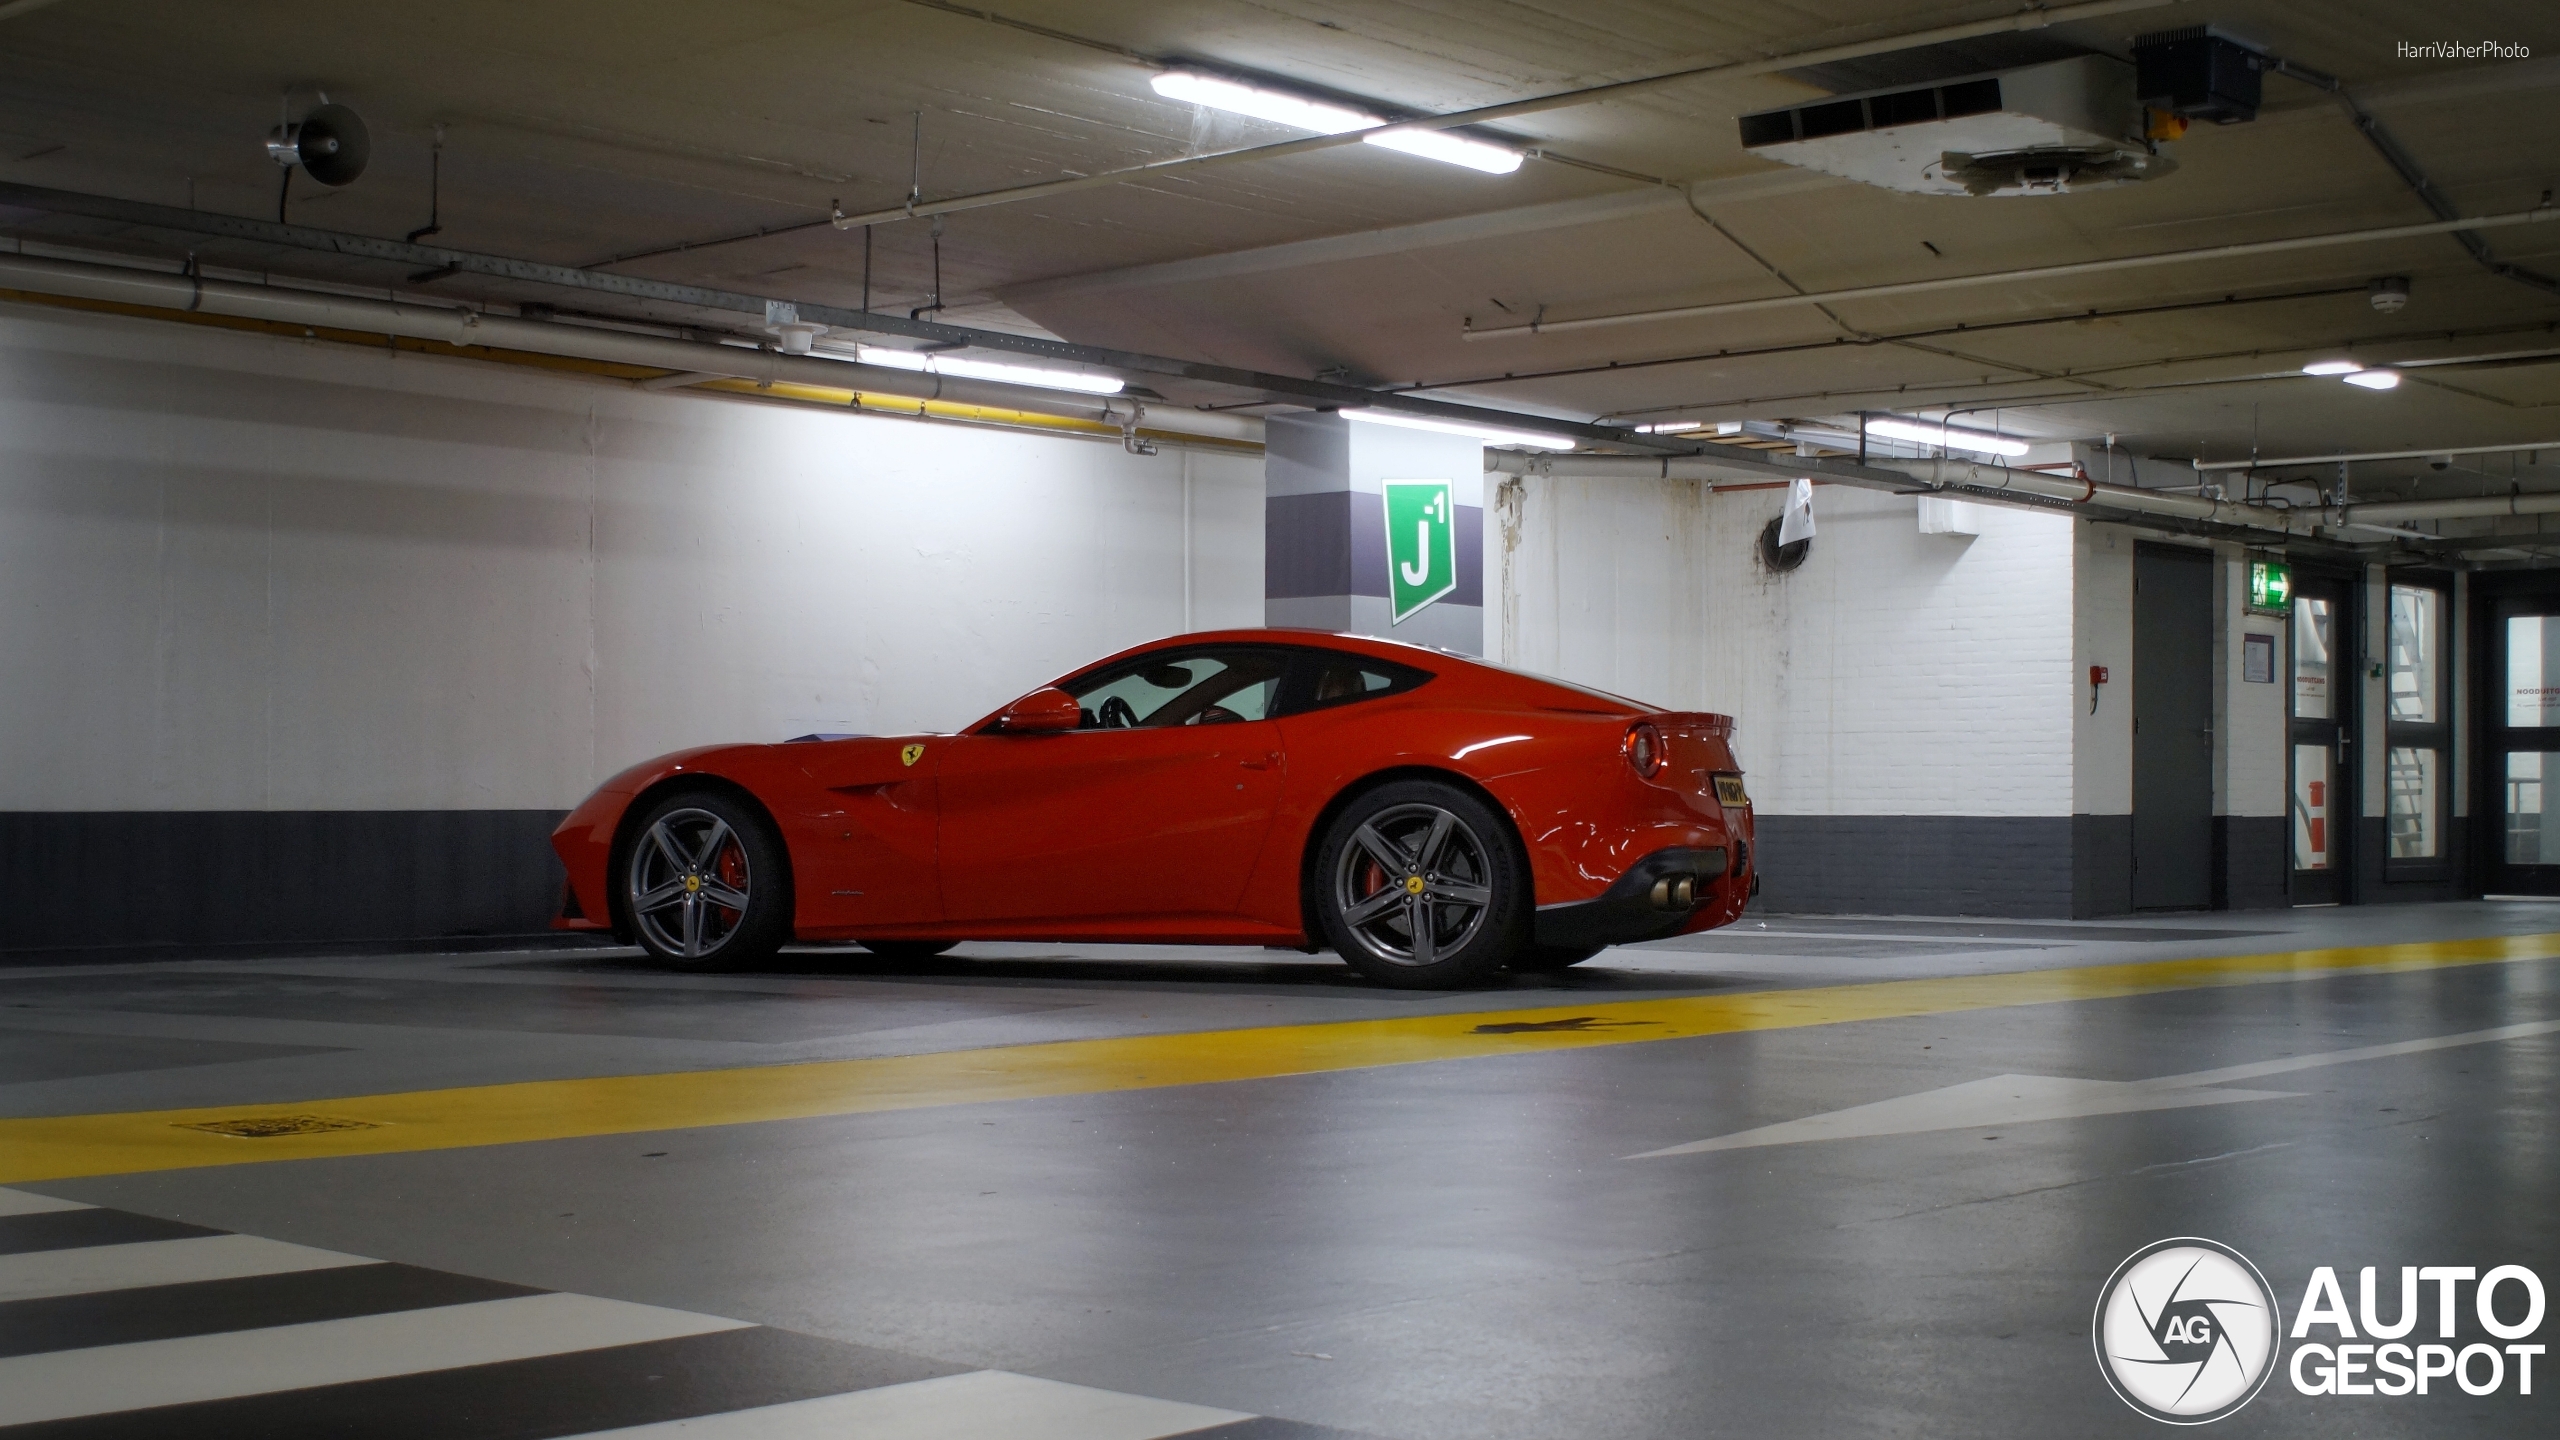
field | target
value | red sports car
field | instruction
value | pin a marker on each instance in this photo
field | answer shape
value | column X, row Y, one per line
column 1431, row 818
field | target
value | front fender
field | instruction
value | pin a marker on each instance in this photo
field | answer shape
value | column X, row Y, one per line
column 584, row 840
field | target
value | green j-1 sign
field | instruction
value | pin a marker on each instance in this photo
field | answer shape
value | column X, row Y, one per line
column 1422, row 545
column 2270, row 586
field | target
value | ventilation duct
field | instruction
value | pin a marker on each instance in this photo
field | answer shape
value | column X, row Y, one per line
column 2049, row 129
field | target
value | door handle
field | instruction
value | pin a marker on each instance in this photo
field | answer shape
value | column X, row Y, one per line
column 1260, row 762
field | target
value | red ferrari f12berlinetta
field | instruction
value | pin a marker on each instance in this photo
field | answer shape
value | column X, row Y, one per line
column 1433, row 819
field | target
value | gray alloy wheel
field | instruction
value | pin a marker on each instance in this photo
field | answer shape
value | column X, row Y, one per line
column 704, row 884
column 1418, row 887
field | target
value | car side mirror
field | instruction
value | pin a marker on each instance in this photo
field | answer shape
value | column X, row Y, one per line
column 1042, row 712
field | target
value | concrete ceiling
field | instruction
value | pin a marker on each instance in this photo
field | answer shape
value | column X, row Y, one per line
column 581, row 132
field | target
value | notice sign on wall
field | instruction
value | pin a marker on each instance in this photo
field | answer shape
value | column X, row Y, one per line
column 2258, row 659
column 1422, row 544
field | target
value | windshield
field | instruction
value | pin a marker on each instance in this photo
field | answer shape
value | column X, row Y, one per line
column 1189, row 687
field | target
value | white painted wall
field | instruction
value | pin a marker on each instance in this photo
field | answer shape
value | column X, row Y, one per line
column 246, row 573
column 2250, row 729
column 1894, row 673
column 2102, row 634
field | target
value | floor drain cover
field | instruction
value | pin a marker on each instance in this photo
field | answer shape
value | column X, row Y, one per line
column 264, row 1127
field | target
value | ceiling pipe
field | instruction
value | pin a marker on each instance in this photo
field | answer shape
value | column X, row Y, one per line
column 2030, row 489
column 2033, row 17
column 1981, row 481
column 2406, row 166
column 692, row 360
column 2538, row 216
column 2270, row 464
column 434, row 261
column 2545, row 502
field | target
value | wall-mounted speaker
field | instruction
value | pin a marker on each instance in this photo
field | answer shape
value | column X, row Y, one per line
column 330, row 144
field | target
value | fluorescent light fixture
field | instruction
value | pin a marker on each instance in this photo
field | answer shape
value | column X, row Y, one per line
column 1034, row 375
column 1489, row 434
column 1980, row 442
column 1671, row 427
column 1218, row 92
column 2374, row 379
column 1451, row 149
column 1280, row 108
column 2331, row 367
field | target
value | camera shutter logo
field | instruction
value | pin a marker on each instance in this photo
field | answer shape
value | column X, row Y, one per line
column 2186, row 1330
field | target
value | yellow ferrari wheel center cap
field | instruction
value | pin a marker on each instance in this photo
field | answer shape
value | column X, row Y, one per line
column 692, row 883
column 1413, row 884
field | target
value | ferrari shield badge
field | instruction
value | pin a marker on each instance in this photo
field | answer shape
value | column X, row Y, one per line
column 1422, row 545
column 911, row 755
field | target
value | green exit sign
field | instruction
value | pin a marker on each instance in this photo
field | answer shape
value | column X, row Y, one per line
column 2270, row 586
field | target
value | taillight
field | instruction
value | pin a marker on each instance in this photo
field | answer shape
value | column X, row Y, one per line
column 1645, row 750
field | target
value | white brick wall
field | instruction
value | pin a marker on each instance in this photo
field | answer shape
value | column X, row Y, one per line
column 1894, row 673
column 246, row 573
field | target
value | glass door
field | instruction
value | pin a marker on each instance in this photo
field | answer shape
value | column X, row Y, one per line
column 2522, row 748
column 2417, row 761
column 2323, row 696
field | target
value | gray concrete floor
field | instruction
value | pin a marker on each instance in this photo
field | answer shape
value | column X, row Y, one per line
column 1448, row 1249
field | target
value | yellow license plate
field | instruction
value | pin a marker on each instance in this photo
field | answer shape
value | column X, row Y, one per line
column 1730, row 794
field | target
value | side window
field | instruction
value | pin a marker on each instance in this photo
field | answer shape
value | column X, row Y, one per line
column 1327, row 678
column 1190, row 687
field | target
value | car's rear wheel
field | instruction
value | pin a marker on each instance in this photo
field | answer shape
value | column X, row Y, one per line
column 906, row 949
column 1541, row 959
column 1419, row 886
column 706, row 883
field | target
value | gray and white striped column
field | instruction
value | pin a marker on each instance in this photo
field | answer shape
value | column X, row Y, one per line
column 1324, row 527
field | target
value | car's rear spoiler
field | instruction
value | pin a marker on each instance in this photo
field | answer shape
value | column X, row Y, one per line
column 1695, row 721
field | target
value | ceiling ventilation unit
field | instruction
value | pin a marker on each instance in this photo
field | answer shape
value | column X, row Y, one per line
column 2050, row 129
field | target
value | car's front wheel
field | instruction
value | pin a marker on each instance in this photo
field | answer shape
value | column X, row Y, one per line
column 706, row 883
column 1419, row 886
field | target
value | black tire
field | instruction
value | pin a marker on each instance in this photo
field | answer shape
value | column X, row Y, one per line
column 1455, row 862
column 1546, row 959
column 906, row 949
column 684, row 857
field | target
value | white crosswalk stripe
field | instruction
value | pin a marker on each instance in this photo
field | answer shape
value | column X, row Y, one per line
column 21, row 1202
column 66, row 1383
column 981, row 1405
column 84, row 1271
column 89, row 1332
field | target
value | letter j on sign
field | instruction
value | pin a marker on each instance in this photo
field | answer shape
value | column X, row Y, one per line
column 1422, row 544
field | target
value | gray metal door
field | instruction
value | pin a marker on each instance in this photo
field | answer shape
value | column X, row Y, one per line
column 2172, row 729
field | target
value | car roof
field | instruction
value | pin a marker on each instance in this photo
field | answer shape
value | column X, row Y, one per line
column 1422, row 657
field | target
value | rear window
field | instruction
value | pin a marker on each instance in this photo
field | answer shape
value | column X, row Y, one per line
column 1324, row 679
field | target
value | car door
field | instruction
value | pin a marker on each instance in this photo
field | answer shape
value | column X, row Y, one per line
column 863, row 835
column 1158, row 805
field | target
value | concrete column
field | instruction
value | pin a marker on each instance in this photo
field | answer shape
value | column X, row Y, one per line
column 1325, row 544
column 2251, row 741
column 2101, row 724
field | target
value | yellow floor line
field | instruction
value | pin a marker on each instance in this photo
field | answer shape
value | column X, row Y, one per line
column 60, row 1147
